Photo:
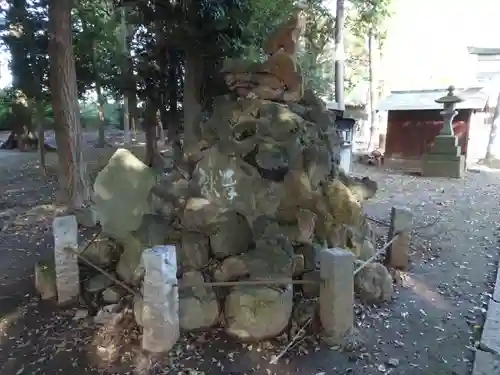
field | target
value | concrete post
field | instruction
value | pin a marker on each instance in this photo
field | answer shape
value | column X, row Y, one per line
column 160, row 315
column 336, row 299
column 398, row 253
column 65, row 229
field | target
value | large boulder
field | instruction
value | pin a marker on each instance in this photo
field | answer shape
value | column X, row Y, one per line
column 201, row 215
column 257, row 312
column 232, row 237
column 269, row 260
column 152, row 232
column 232, row 184
column 193, row 253
column 121, row 192
column 102, row 252
column 374, row 283
column 198, row 306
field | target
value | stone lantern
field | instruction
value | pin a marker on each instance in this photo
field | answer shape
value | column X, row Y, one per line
column 449, row 112
column 445, row 159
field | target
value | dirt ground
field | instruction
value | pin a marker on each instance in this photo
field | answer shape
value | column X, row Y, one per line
column 429, row 328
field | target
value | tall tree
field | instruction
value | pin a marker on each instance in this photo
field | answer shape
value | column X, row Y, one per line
column 490, row 152
column 370, row 19
column 73, row 177
column 339, row 53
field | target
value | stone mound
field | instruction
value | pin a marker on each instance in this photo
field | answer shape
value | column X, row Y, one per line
column 262, row 198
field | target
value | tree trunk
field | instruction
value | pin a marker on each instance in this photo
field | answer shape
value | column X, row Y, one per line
column 339, row 54
column 173, row 125
column 125, row 56
column 39, row 120
column 373, row 87
column 490, row 152
column 101, row 142
column 192, row 100
column 192, row 86
column 23, row 121
column 149, row 126
column 100, row 102
column 131, row 84
column 73, row 177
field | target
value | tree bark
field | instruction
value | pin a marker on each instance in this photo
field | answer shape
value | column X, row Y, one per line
column 490, row 153
column 100, row 102
column 101, row 142
column 339, row 54
column 125, row 55
column 73, row 177
column 149, row 126
column 131, row 84
column 192, row 100
column 173, row 125
column 192, row 86
column 39, row 120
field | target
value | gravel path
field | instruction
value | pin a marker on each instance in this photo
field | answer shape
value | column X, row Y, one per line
column 429, row 328
column 440, row 308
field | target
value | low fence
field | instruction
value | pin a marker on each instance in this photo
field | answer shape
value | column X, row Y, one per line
column 338, row 267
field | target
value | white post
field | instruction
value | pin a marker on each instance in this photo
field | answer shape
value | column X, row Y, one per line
column 160, row 315
column 336, row 298
column 65, row 230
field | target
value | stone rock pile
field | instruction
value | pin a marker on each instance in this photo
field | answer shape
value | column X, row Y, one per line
column 263, row 197
column 277, row 78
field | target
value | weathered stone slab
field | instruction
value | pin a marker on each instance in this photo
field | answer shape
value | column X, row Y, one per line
column 121, row 192
column 398, row 254
column 496, row 293
column 45, row 280
column 444, row 168
column 160, row 315
column 336, row 299
column 486, row 364
column 65, row 230
column 257, row 312
column 198, row 306
column 490, row 339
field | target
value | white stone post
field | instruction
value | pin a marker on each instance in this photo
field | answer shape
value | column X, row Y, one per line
column 65, row 229
column 398, row 253
column 336, row 298
column 160, row 315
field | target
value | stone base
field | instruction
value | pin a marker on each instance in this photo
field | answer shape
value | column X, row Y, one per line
column 446, row 144
column 486, row 364
column 443, row 167
column 405, row 165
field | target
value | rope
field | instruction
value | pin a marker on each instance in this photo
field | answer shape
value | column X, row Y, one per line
column 248, row 282
column 377, row 254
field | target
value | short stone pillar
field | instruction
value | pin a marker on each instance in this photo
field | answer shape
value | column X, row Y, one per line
column 336, row 299
column 398, row 253
column 65, row 229
column 160, row 315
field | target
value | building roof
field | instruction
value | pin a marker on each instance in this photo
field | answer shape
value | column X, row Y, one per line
column 483, row 51
column 473, row 98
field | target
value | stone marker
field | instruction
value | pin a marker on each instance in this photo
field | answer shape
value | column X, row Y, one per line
column 336, row 299
column 490, row 339
column 486, row 364
column 160, row 315
column 398, row 253
column 496, row 292
column 45, row 280
column 65, row 230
